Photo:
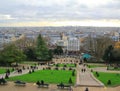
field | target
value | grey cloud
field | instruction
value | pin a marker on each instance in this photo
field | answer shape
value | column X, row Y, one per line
column 70, row 10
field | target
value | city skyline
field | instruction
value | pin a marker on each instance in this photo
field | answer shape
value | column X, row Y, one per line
column 60, row 13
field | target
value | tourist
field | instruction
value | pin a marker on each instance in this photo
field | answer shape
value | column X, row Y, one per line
column 84, row 69
column 42, row 82
column 38, row 83
column 86, row 89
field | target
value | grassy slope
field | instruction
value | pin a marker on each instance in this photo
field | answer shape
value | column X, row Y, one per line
column 104, row 77
column 49, row 76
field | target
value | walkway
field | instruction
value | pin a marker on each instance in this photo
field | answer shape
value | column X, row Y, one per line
column 86, row 78
column 104, row 69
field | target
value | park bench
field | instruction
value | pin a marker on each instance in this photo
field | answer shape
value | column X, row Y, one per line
column 20, row 83
column 3, row 81
column 62, row 86
column 42, row 84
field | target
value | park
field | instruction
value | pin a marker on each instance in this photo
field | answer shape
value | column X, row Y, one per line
column 39, row 68
column 54, row 74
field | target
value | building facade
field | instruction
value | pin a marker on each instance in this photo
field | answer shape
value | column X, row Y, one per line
column 73, row 44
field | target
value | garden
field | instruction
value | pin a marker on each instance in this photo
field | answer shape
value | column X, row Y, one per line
column 48, row 76
column 3, row 70
column 109, row 79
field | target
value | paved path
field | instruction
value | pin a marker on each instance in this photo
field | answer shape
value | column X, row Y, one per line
column 86, row 78
column 104, row 69
column 31, row 87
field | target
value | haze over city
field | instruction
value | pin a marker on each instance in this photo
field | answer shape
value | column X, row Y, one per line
column 60, row 13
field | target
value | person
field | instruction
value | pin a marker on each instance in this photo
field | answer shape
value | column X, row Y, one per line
column 42, row 82
column 86, row 89
column 38, row 83
column 84, row 69
column 62, row 85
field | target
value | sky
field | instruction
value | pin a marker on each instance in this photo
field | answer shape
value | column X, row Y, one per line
column 60, row 13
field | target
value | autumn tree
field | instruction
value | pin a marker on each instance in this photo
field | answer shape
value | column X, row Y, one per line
column 97, row 45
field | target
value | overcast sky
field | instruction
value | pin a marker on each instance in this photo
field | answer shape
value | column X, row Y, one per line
column 59, row 12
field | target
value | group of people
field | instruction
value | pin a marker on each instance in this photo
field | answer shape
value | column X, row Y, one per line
column 83, row 70
column 38, row 82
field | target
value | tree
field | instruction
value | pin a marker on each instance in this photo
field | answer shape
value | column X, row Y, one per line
column 116, row 55
column 11, row 54
column 50, row 54
column 42, row 52
column 25, row 43
column 58, row 50
column 97, row 45
column 108, row 54
column 30, row 53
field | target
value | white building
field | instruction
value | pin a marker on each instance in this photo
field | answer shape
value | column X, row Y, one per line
column 73, row 44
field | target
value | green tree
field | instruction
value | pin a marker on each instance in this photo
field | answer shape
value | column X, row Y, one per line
column 58, row 50
column 30, row 53
column 11, row 54
column 42, row 52
column 108, row 54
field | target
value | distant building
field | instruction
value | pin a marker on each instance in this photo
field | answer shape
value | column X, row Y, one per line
column 7, row 38
column 73, row 44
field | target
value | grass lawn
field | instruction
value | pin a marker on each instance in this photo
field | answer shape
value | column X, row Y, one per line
column 94, row 66
column 48, row 76
column 104, row 77
column 2, row 70
column 112, row 68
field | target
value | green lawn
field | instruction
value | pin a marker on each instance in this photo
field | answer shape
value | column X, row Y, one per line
column 104, row 77
column 94, row 66
column 49, row 76
column 113, row 68
column 2, row 70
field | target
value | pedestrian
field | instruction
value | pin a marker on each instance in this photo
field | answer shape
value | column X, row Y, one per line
column 86, row 89
column 84, row 69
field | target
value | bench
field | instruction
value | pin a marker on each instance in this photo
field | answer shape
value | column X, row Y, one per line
column 3, row 81
column 42, row 84
column 20, row 83
column 64, row 86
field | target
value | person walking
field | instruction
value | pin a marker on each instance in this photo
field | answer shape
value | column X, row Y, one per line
column 86, row 89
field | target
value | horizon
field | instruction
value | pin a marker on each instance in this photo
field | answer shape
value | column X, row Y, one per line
column 55, row 13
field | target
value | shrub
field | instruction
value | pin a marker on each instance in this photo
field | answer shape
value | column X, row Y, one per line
column 6, row 76
column 57, row 65
column 70, row 81
column 109, row 82
column 65, row 65
column 73, row 73
column 91, row 70
column 30, row 72
column 97, row 74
